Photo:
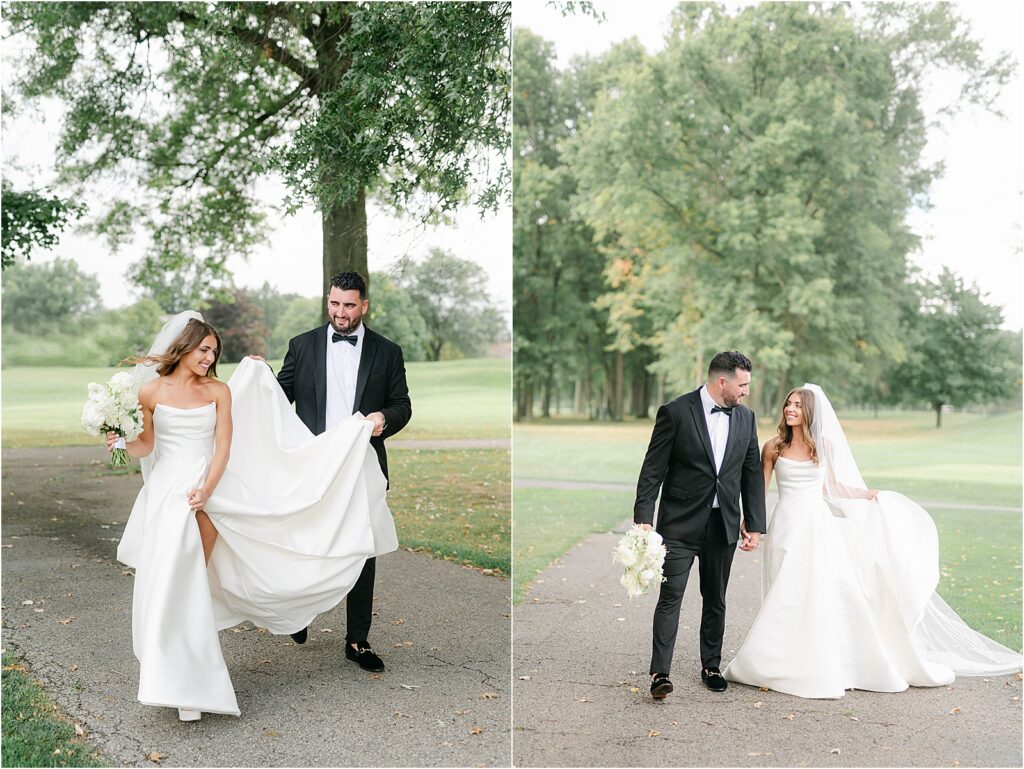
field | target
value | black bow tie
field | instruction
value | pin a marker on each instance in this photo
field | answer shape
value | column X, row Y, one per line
column 352, row 339
column 727, row 410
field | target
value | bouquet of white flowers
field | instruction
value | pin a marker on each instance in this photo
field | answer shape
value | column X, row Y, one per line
column 114, row 406
column 643, row 555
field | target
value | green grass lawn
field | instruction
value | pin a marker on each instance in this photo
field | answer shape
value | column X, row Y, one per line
column 450, row 399
column 972, row 459
column 454, row 504
column 35, row 733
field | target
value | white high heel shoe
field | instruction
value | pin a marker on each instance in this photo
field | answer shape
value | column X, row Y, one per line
column 189, row 714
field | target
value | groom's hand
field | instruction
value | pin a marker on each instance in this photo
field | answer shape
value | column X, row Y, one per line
column 378, row 423
column 645, row 526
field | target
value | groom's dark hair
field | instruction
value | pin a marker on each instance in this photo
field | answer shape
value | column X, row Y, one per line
column 349, row 281
column 727, row 362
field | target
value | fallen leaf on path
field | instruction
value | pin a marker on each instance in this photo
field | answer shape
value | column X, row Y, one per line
column 789, row 716
column 27, row 603
column 490, row 695
column 400, row 714
column 271, row 733
column 67, row 620
column 476, row 730
column 156, row 757
column 620, row 619
column 854, row 718
column 16, row 666
column 758, row 754
column 398, row 622
column 653, row 733
column 79, row 731
column 955, row 712
column 525, row 678
column 834, row 751
column 583, row 699
column 410, row 687
column 376, row 677
column 1020, row 676
column 462, row 712
column 264, row 662
column 634, row 689
column 758, row 704
column 39, row 611
column 73, row 668
column 326, row 630
column 447, row 744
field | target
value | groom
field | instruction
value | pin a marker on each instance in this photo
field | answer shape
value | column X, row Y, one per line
column 330, row 373
column 703, row 457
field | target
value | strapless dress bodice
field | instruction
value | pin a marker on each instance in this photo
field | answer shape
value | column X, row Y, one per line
column 799, row 478
column 188, row 432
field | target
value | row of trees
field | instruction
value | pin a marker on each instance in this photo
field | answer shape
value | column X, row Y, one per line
column 52, row 315
column 747, row 187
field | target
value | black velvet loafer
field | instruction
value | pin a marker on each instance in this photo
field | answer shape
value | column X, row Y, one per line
column 363, row 656
column 301, row 636
column 713, row 679
column 661, row 687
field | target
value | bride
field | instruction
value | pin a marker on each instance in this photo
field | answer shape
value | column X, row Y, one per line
column 849, row 577
column 244, row 515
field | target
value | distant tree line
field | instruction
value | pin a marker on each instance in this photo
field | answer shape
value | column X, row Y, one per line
column 747, row 187
column 53, row 315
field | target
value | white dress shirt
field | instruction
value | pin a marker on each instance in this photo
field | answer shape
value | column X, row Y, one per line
column 718, row 430
column 342, row 371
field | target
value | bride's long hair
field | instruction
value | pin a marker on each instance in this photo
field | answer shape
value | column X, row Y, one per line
column 189, row 339
column 786, row 432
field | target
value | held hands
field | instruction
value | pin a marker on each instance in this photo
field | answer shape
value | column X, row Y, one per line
column 750, row 539
column 197, row 499
column 378, row 423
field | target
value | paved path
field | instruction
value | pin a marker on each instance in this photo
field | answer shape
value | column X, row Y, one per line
column 546, row 483
column 581, row 691
column 443, row 630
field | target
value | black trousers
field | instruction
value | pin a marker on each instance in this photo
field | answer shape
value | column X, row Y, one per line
column 359, row 604
column 715, row 555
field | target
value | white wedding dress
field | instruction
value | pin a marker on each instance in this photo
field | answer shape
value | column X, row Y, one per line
column 848, row 596
column 297, row 516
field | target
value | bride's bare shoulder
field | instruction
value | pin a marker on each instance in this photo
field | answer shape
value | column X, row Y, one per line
column 770, row 448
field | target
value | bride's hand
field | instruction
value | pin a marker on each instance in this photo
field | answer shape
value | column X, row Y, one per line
column 197, row 499
column 111, row 440
column 873, row 495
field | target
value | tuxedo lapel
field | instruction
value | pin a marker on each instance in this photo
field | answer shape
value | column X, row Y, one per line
column 320, row 376
column 697, row 412
column 365, row 364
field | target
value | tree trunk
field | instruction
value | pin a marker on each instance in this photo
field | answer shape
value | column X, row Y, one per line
column 344, row 232
column 938, row 415
column 659, row 393
column 617, row 404
column 545, row 396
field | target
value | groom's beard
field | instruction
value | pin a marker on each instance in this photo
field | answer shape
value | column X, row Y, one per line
column 349, row 327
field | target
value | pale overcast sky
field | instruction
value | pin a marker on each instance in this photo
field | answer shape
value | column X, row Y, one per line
column 974, row 226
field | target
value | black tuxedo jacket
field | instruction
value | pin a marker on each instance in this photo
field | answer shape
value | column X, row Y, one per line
column 680, row 462
column 380, row 384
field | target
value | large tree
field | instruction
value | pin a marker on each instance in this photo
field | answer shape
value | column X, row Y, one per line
column 406, row 103
column 749, row 184
column 957, row 353
column 32, row 220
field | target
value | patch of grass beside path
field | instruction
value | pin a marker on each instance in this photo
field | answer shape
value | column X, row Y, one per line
column 980, row 561
column 35, row 733
column 548, row 522
column 454, row 504
column 450, row 399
